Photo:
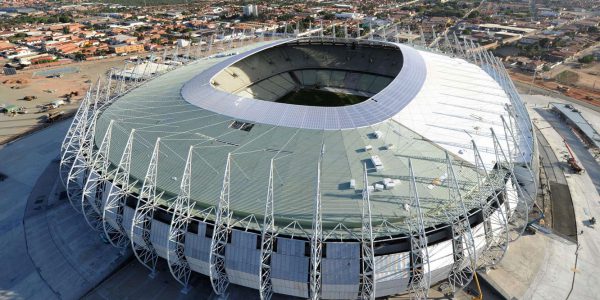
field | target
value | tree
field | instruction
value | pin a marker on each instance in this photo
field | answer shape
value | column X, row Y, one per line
column 79, row 56
column 65, row 18
column 473, row 15
column 586, row 59
column 65, row 30
column 328, row 16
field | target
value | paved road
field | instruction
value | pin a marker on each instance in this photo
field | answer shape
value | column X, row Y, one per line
column 563, row 214
column 585, row 158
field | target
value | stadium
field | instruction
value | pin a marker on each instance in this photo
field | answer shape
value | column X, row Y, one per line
column 311, row 167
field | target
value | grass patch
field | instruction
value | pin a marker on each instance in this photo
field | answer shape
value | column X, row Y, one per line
column 320, row 98
column 567, row 77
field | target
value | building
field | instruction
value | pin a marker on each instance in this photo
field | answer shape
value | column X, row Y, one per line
column 348, row 15
column 248, row 169
column 250, row 10
column 126, row 48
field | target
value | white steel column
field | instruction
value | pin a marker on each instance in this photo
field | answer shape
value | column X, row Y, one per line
column 463, row 244
column 144, row 213
column 419, row 255
column 95, row 185
column 519, row 153
column 78, row 173
column 367, row 278
column 218, row 275
column 267, row 242
column 494, row 220
column 115, row 202
column 182, row 216
column 75, row 133
column 518, row 218
column 316, row 241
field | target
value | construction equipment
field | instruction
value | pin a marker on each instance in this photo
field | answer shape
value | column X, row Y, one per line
column 572, row 161
column 480, row 294
column 55, row 116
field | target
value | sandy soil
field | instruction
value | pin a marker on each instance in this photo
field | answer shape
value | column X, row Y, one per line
column 14, row 88
column 582, row 90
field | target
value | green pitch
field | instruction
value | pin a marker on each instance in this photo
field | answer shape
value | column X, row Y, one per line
column 320, row 98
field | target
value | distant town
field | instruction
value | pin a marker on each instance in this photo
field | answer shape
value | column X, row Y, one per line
column 553, row 45
column 291, row 149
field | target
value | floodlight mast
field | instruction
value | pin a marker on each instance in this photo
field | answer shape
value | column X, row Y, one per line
column 268, row 237
column 367, row 282
column 112, row 214
column 420, row 271
column 316, row 241
column 141, row 225
column 217, row 272
column 181, row 218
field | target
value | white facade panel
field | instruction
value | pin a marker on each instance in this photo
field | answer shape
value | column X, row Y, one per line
column 392, row 273
column 479, row 237
column 441, row 258
column 108, row 186
column 242, row 259
column 159, row 235
column 512, row 196
column 289, row 268
column 341, row 271
column 197, row 250
column 128, row 213
column 111, row 216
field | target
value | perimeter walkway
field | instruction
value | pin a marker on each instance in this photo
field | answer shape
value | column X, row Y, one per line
column 546, row 266
column 48, row 252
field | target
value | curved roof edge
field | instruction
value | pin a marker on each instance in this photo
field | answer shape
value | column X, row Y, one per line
column 382, row 106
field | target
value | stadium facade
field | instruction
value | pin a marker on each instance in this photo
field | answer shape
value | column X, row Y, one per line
column 425, row 179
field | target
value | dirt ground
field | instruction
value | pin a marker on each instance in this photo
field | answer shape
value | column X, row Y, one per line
column 582, row 89
column 27, row 83
column 588, row 75
column 14, row 88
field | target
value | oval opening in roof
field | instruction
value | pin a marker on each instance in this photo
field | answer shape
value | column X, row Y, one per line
column 313, row 72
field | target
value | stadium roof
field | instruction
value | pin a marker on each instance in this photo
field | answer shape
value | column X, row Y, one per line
column 452, row 102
